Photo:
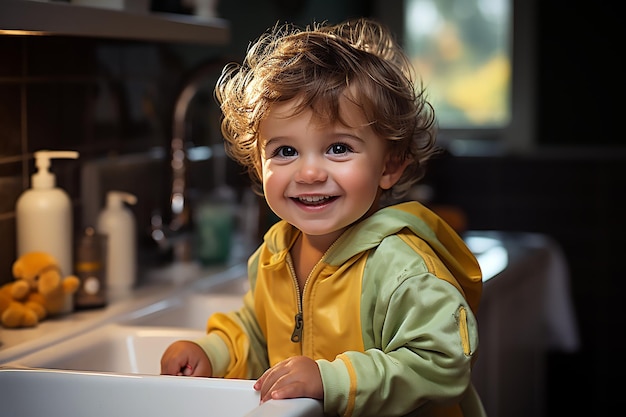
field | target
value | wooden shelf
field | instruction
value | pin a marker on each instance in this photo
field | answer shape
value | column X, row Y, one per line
column 27, row 17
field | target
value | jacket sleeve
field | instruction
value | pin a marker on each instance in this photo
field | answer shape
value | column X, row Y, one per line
column 234, row 341
column 422, row 336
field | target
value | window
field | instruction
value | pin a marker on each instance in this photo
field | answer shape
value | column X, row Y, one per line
column 475, row 58
column 461, row 49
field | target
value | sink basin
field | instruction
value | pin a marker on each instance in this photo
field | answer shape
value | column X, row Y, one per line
column 113, row 370
column 187, row 311
column 58, row 393
column 192, row 308
column 110, row 348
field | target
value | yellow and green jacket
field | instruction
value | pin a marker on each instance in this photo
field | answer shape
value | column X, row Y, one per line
column 388, row 314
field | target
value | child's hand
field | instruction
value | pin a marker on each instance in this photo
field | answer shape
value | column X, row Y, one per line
column 185, row 358
column 292, row 378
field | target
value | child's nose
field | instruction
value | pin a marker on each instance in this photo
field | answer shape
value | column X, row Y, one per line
column 311, row 170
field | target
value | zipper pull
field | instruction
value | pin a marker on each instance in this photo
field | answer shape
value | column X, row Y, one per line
column 297, row 330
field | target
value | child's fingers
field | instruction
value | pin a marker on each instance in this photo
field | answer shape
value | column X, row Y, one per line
column 187, row 370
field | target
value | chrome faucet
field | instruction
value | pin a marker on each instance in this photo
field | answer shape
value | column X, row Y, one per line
column 176, row 235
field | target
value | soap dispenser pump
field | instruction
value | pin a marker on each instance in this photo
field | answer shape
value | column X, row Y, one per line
column 44, row 219
column 116, row 221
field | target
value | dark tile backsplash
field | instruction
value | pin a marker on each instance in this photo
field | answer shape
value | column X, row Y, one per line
column 10, row 129
column 12, row 56
column 102, row 98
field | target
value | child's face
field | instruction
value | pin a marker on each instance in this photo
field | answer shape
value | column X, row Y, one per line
column 322, row 177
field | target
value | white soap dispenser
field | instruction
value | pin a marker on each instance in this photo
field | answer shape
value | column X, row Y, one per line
column 116, row 221
column 44, row 217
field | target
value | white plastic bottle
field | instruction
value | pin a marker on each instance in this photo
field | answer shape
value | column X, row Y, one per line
column 116, row 221
column 44, row 214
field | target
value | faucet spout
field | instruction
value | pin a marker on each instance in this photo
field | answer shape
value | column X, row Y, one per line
column 175, row 235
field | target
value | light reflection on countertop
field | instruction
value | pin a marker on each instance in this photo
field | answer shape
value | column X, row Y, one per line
column 490, row 253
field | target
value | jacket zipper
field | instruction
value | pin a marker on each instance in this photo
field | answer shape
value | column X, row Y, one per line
column 296, row 335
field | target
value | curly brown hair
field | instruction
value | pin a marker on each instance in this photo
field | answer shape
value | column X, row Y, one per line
column 318, row 65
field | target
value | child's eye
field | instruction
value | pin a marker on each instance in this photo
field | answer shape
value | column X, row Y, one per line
column 339, row 149
column 285, row 152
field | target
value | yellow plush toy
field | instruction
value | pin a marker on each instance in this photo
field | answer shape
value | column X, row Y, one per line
column 37, row 292
column 15, row 314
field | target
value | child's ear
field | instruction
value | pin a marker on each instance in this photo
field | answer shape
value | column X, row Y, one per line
column 394, row 167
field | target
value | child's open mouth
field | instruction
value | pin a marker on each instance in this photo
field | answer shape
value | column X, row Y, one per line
column 314, row 200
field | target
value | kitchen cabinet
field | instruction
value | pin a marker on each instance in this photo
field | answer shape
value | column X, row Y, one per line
column 27, row 17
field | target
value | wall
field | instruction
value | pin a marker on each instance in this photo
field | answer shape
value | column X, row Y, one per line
column 574, row 197
column 105, row 99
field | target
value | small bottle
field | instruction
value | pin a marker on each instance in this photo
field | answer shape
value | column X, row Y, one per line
column 214, row 222
column 117, row 223
column 90, row 269
column 44, row 217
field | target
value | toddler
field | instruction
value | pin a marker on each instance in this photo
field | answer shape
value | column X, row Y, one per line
column 357, row 299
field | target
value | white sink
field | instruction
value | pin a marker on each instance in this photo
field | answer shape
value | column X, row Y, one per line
column 110, row 348
column 113, row 370
column 185, row 311
column 58, row 393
